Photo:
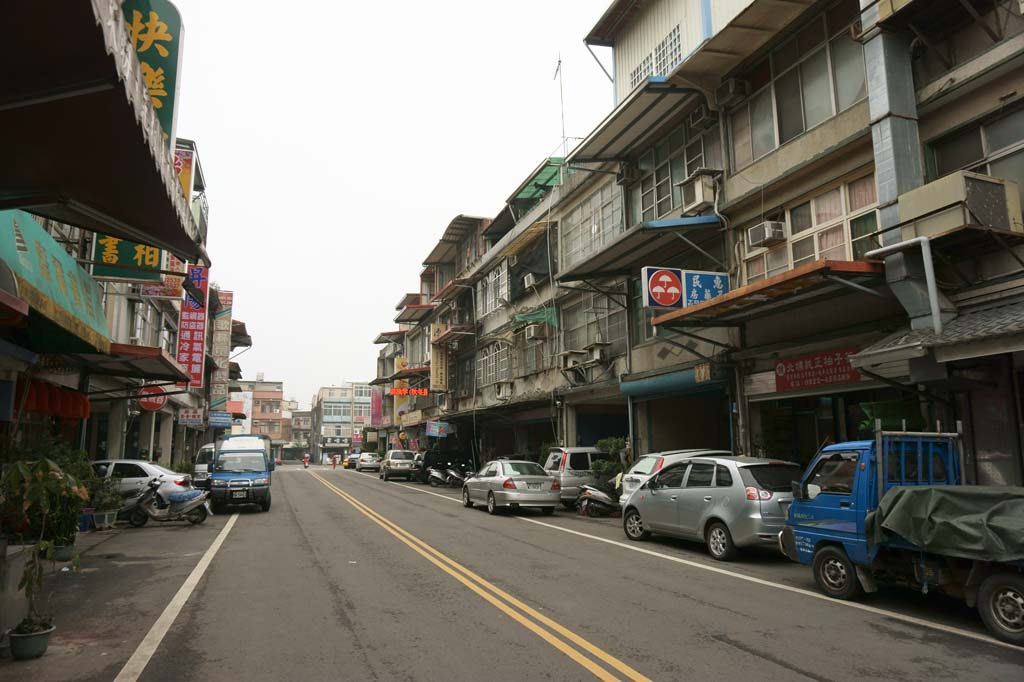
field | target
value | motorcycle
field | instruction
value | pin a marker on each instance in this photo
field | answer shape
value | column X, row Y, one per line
column 455, row 476
column 436, row 477
column 599, row 500
column 192, row 505
column 305, row 462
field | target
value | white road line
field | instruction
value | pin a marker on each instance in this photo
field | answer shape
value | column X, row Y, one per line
column 415, row 489
column 788, row 588
column 137, row 663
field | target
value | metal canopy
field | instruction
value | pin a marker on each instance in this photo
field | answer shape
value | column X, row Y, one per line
column 239, row 335
column 502, row 223
column 409, row 372
column 645, row 244
column 388, row 337
column 451, row 290
column 634, row 121
column 77, row 117
column 234, row 371
column 453, row 333
column 541, row 180
column 134, row 362
column 820, row 279
column 414, row 313
column 408, row 300
column 618, row 15
column 458, row 229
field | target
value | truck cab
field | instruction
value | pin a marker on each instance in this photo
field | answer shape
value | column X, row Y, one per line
column 241, row 471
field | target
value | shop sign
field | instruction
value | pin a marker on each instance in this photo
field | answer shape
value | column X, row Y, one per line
column 357, row 438
column 437, row 429
column 152, row 398
column 702, row 372
column 190, row 417
column 119, row 259
column 169, row 286
column 438, row 368
column 674, row 288
column 154, row 27
column 371, row 436
column 335, row 440
column 404, row 391
column 221, row 351
column 220, row 420
column 414, row 444
column 400, row 388
column 192, row 327
column 813, row 370
column 412, row 418
column 376, row 407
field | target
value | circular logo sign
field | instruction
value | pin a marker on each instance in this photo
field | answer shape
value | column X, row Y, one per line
column 665, row 288
column 152, row 398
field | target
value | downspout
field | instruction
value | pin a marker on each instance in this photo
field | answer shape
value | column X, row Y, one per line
column 738, row 430
column 929, row 273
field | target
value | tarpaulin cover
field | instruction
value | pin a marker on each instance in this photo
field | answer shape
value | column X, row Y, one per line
column 970, row 522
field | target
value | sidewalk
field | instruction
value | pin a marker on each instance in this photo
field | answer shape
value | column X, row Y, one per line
column 126, row 577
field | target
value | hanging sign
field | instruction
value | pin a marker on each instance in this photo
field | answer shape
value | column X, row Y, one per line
column 816, row 369
column 152, row 398
column 119, row 259
column 437, row 429
column 192, row 327
column 675, row 288
column 154, row 27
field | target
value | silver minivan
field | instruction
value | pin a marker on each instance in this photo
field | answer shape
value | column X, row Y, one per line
column 652, row 463
column 726, row 502
column 573, row 467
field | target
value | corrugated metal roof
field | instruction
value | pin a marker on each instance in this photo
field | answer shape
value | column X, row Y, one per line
column 615, row 18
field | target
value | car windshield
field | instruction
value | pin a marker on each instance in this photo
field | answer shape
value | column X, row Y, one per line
column 835, row 473
column 524, row 469
column 238, row 462
column 775, row 477
column 644, row 465
column 401, row 454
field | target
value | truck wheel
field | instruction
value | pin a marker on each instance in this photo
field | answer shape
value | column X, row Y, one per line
column 1001, row 605
column 835, row 574
column 265, row 504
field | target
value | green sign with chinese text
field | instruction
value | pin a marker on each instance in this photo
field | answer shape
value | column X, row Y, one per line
column 155, row 29
column 110, row 252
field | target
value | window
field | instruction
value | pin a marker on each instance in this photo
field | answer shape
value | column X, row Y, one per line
column 128, row 470
column 593, row 223
column 362, row 410
column 837, row 224
column 667, row 163
column 594, row 318
column 333, row 409
column 672, row 477
column 579, row 461
column 834, row 474
column 641, row 72
column 532, row 355
column 701, row 474
column 995, row 148
column 491, row 290
column 723, row 478
column 818, row 73
column 668, row 53
column 645, row 465
column 492, row 364
column 523, row 469
column 364, row 391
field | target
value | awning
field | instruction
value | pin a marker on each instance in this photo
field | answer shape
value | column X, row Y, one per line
column 451, row 290
column 78, row 99
column 649, row 243
column 618, row 16
column 817, row 280
column 66, row 303
column 239, row 335
column 634, row 121
column 453, row 333
column 545, row 176
column 388, row 337
column 409, row 372
column 234, row 371
column 379, row 381
column 414, row 313
column 457, row 230
column 409, row 299
column 132, row 362
column 683, row 381
column 502, row 223
column 991, row 330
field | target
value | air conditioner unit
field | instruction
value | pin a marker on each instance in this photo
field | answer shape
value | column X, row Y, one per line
column 570, row 359
column 535, row 332
column 958, row 201
column 597, row 354
column 443, row 402
column 698, row 193
column 529, row 280
column 731, row 92
column 628, row 173
column 503, row 390
column 766, row 233
column 702, row 118
column 513, row 260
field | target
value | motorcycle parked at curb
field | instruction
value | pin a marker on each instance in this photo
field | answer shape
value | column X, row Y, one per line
column 436, row 477
column 600, row 499
column 455, row 476
column 191, row 505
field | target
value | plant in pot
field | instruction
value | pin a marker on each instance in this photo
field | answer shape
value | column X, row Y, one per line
column 105, row 500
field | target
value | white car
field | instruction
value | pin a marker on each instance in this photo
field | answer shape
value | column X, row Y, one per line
column 652, row 463
column 134, row 474
column 368, row 460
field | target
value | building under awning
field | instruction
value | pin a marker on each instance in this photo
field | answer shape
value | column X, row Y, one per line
column 64, row 303
column 445, row 251
column 77, row 119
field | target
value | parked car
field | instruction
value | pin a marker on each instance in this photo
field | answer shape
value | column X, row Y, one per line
column 134, row 474
column 573, row 467
column 350, row 461
column 512, row 483
column 201, row 466
column 397, row 463
column 726, row 502
column 368, row 460
column 652, row 463
column 417, row 466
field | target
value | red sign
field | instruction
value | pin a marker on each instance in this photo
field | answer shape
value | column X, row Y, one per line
column 816, row 369
column 192, row 327
column 152, row 398
column 410, row 391
column 665, row 288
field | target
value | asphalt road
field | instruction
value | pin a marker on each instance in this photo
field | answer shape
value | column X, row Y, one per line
column 351, row 578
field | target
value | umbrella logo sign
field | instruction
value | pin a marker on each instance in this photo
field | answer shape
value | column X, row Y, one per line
column 663, row 287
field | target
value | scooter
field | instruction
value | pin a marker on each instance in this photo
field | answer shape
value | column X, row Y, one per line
column 192, row 505
column 305, row 462
column 454, row 476
column 599, row 500
column 436, row 477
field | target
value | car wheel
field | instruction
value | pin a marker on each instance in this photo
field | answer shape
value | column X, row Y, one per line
column 384, row 476
column 466, row 502
column 547, row 511
column 265, row 505
column 138, row 518
column 719, row 542
column 492, row 506
column 1001, row 605
column 197, row 515
column 633, row 525
column 835, row 574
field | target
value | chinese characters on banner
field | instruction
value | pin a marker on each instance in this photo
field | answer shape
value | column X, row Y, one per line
column 816, row 369
column 120, row 259
column 401, row 400
column 221, row 351
column 155, row 30
column 183, row 159
column 192, row 327
column 376, row 407
column 410, row 391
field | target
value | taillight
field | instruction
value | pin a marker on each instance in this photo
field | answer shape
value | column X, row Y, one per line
column 183, row 482
column 765, row 494
column 661, row 463
column 509, row 484
column 556, row 486
column 565, row 458
column 751, row 492
column 756, row 494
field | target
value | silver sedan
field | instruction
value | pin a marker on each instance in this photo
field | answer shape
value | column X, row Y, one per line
column 512, row 483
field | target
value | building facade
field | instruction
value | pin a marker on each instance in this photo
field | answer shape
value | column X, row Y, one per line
column 339, row 415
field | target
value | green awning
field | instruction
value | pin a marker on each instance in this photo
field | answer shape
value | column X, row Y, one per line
column 547, row 315
column 546, row 176
column 66, row 302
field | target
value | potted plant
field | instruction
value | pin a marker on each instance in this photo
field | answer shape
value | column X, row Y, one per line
column 105, row 501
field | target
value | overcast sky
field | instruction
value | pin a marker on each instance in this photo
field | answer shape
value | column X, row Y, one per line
column 338, row 139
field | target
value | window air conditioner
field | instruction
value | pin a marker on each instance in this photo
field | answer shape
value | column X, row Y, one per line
column 442, row 402
column 597, row 354
column 766, row 233
column 503, row 390
column 702, row 118
column 529, row 280
column 731, row 92
column 628, row 173
column 535, row 332
column 698, row 193
column 570, row 359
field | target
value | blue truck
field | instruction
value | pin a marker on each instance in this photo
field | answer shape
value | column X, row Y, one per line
column 241, row 471
column 859, row 519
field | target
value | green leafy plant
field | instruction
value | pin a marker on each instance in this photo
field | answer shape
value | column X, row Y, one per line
column 183, row 467
column 105, row 495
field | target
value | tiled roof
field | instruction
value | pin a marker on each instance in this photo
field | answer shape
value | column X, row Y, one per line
column 990, row 322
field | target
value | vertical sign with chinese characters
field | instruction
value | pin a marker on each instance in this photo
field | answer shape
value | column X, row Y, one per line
column 120, row 259
column 221, row 351
column 192, row 327
column 376, row 407
column 155, row 30
column 828, row 368
column 400, row 389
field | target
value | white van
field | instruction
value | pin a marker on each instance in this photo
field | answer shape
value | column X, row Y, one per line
column 201, row 466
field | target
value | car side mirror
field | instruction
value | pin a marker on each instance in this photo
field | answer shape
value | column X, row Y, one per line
column 651, row 484
column 271, row 465
column 798, row 491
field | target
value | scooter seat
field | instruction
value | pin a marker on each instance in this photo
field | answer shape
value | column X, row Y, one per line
column 178, row 498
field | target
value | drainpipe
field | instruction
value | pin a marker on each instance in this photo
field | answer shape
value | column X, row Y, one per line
column 929, row 273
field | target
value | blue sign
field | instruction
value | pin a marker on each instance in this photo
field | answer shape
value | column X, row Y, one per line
column 437, row 429
column 663, row 287
column 219, row 420
column 700, row 286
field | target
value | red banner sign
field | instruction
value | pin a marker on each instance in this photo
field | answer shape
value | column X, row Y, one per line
column 816, row 369
column 152, row 398
column 192, row 327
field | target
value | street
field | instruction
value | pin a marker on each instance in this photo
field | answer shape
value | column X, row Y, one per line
column 348, row 577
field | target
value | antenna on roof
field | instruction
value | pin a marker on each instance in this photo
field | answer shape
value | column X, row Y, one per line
column 561, row 101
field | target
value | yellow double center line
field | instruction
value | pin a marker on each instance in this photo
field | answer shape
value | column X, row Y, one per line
column 541, row 625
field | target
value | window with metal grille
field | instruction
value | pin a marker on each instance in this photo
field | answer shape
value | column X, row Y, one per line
column 492, row 364
column 668, row 53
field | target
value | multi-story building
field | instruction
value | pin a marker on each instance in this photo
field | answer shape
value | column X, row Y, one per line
column 821, row 169
column 269, row 414
column 339, row 415
column 302, row 424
